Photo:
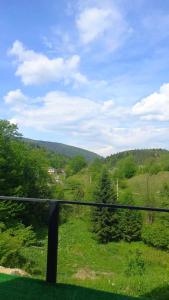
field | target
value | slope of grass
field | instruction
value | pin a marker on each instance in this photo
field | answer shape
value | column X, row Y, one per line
column 82, row 261
column 142, row 185
column 23, row 288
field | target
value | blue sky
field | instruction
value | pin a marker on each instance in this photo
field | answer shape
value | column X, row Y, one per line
column 93, row 74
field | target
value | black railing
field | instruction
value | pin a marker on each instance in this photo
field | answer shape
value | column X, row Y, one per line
column 52, row 251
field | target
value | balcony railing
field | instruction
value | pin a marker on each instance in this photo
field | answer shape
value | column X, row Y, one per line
column 53, row 224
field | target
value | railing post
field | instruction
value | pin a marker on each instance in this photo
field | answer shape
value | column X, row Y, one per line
column 52, row 251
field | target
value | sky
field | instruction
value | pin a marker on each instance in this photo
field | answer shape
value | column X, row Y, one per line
column 93, row 74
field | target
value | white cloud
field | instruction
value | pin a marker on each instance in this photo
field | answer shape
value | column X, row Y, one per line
column 36, row 68
column 93, row 22
column 55, row 109
column 155, row 106
column 99, row 126
column 15, row 97
column 106, row 23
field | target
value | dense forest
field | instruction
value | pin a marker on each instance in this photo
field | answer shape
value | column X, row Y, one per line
column 131, row 177
column 66, row 150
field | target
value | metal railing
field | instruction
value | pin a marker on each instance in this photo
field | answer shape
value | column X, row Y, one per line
column 53, row 225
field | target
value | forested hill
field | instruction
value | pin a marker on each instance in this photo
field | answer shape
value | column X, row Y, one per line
column 140, row 156
column 67, row 150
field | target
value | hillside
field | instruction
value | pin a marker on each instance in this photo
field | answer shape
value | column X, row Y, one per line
column 67, row 150
column 140, row 155
column 84, row 262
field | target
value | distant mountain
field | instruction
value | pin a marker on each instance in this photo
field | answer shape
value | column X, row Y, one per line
column 67, row 150
column 139, row 155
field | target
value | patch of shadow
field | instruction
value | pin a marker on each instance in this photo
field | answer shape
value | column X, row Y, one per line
column 18, row 288
column 159, row 293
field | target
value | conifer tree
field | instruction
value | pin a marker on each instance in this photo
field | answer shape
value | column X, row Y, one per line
column 130, row 221
column 105, row 220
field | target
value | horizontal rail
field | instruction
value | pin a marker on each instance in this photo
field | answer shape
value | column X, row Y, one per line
column 101, row 205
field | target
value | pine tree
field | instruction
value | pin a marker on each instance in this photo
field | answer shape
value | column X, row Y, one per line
column 130, row 221
column 105, row 220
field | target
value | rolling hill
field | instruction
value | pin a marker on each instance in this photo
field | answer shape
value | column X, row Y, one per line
column 140, row 155
column 67, row 150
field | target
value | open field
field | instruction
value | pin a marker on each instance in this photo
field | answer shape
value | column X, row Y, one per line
column 114, row 267
column 23, row 288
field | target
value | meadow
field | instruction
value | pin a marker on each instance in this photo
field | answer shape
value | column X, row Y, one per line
column 132, row 269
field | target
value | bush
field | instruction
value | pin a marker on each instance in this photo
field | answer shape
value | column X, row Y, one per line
column 156, row 235
column 11, row 242
column 135, row 263
column 10, row 250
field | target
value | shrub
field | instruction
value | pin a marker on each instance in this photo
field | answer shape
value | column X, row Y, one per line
column 11, row 242
column 156, row 235
column 135, row 263
column 10, row 250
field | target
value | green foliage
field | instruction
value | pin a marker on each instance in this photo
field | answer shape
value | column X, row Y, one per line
column 11, row 242
column 66, row 150
column 126, row 168
column 105, row 220
column 164, row 193
column 141, row 156
column 156, row 235
column 135, row 263
column 130, row 221
column 75, row 165
column 152, row 167
column 23, row 172
column 75, row 187
column 95, row 169
column 56, row 160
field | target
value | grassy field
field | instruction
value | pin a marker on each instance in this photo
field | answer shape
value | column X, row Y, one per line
column 121, row 268
column 17, row 288
column 154, row 183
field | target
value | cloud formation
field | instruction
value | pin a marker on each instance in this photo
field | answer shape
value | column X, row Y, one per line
column 155, row 106
column 106, row 24
column 15, row 97
column 99, row 126
column 36, row 68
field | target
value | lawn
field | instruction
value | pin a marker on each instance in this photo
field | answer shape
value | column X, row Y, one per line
column 113, row 268
column 18, row 288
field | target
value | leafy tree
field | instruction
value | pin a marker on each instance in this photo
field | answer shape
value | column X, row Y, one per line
column 95, row 168
column 75, row 187
column 23, row 172
column 75, row 165
column 105, row 220
column 126, row 167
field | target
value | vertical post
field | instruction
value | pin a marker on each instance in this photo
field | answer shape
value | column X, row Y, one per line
column 117, row 188
column 52, row 251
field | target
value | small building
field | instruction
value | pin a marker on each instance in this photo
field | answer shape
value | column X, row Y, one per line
column 51, row 171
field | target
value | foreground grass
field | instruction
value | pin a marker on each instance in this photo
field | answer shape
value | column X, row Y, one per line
column 23, row 288
column 82, row 261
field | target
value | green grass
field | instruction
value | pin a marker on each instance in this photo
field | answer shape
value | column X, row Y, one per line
column 80, row 254
column 18, row 288
column 138, row 185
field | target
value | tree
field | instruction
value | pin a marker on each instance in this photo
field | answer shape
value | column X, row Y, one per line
column 23, row 172
column 130, row 221
column 127, row 167
column 95, row 168
column 76, row 164
column 105, row 220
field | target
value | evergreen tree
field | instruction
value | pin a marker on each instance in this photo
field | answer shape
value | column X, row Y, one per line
column 130, row 221
column 105, row 220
